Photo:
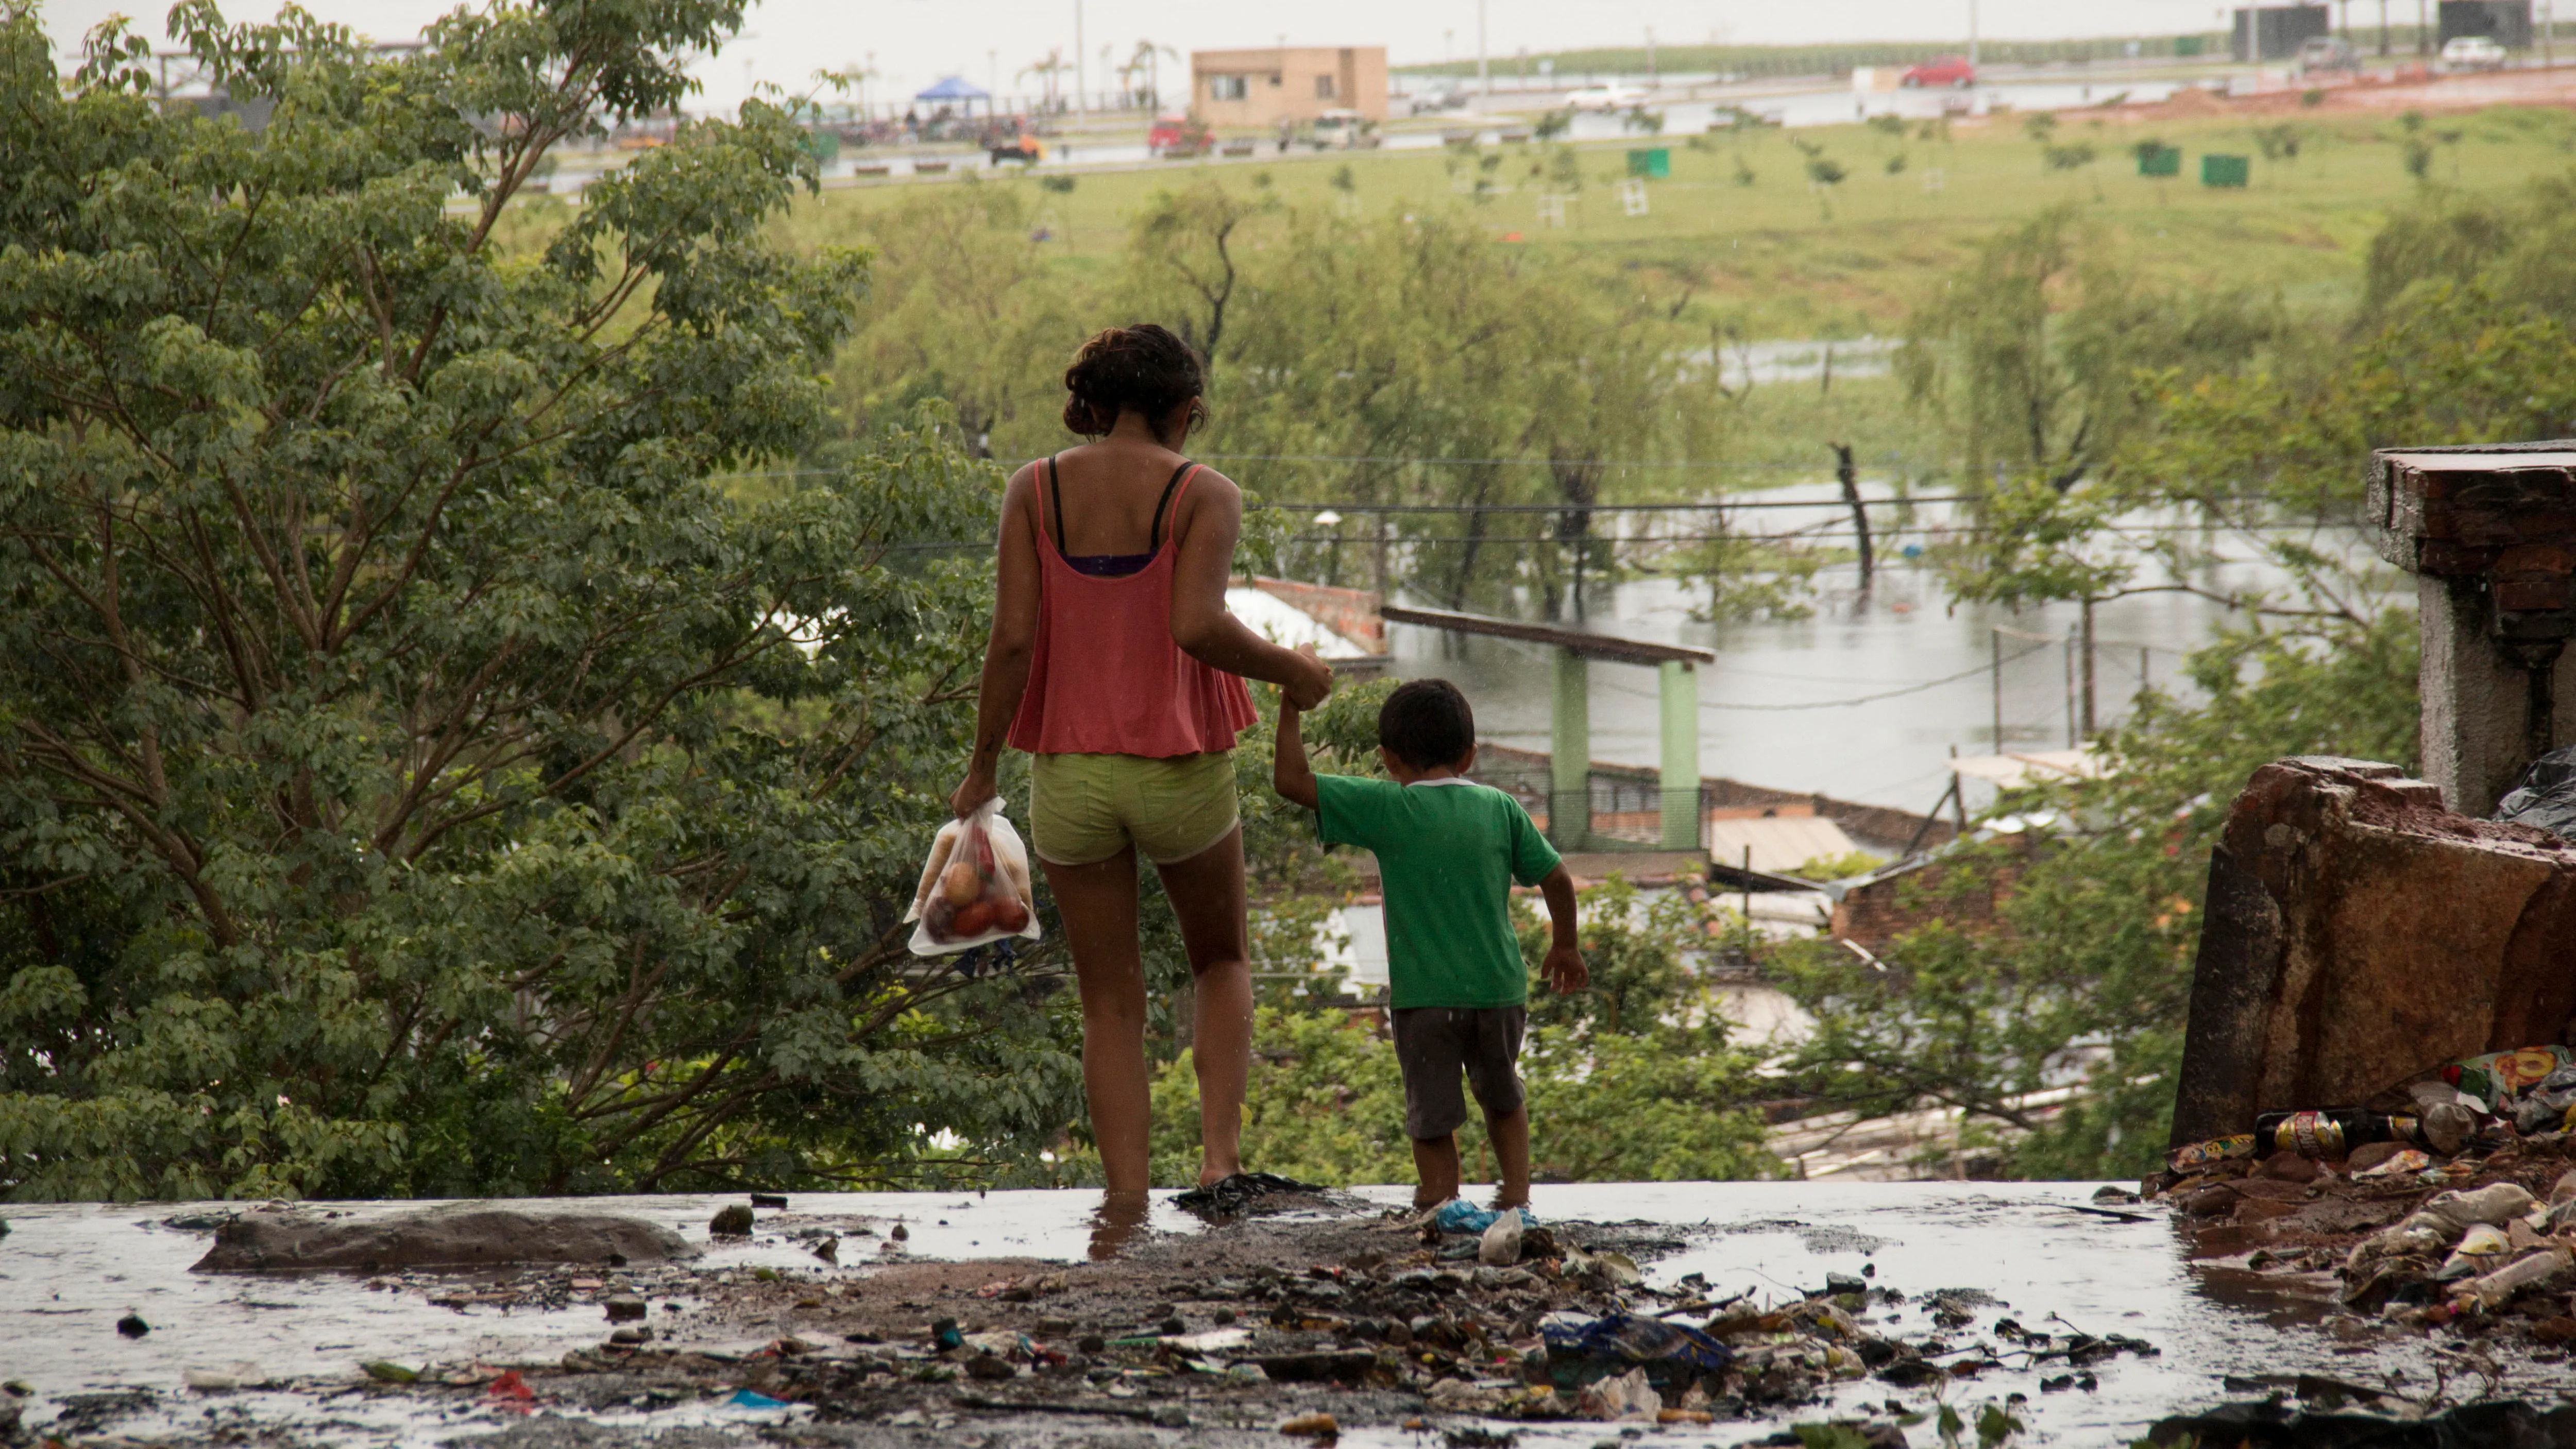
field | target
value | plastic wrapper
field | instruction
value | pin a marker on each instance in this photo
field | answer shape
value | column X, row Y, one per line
column 975, row 886
column 2404, row 1164
column 2545, row 797
column 2200, row 1156
column 2497, row 1078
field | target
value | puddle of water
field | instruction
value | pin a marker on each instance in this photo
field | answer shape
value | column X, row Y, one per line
column 68, row 1272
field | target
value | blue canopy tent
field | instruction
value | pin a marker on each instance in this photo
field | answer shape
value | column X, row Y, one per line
column 958, row 88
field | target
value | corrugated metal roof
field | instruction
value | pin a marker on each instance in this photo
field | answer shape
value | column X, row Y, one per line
column 1778, row 842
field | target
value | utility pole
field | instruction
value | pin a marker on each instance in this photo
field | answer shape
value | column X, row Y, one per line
column 1484, row 76
column 2548, row 35
column 1650, row 56
column 1079, row 108
column 2089, row 723
column 1972, row 34
column 2383, row 29
column 1995, row 639
column 2071, row 740
column 2423, row 30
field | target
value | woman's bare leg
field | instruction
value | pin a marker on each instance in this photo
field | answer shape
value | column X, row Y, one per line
column 1207, row 895
column 1098, row 903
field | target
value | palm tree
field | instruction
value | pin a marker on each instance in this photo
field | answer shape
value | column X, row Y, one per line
column 1148, row 61
column 1049, row 70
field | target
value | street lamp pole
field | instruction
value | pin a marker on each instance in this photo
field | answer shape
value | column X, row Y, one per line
column 1972, row 34
column 1079, row 108
column 1485, row 77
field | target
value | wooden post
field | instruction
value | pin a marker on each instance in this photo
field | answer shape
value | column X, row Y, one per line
column 1678, row 691
column 1569, row 798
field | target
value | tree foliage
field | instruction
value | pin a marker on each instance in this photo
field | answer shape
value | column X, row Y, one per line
column 2027, row 357
column 415, row 775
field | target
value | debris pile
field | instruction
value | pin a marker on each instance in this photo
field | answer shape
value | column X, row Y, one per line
column 2449, row 1205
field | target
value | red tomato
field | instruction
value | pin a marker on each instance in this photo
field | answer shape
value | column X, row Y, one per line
column 1010, row 916
column 972, row 920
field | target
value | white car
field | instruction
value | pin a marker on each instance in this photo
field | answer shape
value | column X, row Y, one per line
column 1605, row 98
column 2472, row 52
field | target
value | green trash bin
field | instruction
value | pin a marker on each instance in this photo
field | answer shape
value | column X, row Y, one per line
column 1654, row 162
column 2225, row 170
column 2160, row 161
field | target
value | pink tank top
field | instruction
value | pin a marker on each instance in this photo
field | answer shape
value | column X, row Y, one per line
column 1106, row 678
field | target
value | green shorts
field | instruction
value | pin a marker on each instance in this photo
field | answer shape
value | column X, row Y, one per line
column 1083, row 809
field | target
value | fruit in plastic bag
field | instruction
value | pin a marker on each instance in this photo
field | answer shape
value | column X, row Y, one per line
column 975, row 886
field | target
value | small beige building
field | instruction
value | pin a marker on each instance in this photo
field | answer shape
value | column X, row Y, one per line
column 1260, row 88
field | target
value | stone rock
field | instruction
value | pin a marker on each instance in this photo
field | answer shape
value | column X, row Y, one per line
column 2273, row 1189
column 2256, row 1209
column 2356, row 934
column 463, row 1235
column 2291, row 1167
column 624, row 1308
column 731, row 1221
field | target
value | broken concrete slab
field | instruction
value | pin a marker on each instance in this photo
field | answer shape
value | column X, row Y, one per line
column 461, row 1235
column 2357, row 933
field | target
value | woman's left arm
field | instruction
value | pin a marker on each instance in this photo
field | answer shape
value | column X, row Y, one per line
column 1211, row 521
column 1009, row 648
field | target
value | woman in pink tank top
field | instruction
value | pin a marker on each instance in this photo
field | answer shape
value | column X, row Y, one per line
column 1114, row 663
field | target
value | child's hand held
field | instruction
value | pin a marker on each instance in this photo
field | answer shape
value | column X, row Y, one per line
column 1565, row 971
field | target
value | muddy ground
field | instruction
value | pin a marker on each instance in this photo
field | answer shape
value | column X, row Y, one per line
column 1334, row 1315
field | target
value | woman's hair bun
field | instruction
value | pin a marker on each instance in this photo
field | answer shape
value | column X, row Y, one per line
column 1144, row 368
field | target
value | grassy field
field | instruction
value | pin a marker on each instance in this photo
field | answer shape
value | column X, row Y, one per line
column 1740, row 230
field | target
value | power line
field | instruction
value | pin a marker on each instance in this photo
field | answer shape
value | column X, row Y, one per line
column 1692, row 463
column 1839, row 506
column 1860, row 699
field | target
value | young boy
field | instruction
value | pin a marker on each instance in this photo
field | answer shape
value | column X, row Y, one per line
column 1449, row 850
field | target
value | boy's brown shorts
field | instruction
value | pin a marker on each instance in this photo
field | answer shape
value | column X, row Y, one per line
column 1434, row 1044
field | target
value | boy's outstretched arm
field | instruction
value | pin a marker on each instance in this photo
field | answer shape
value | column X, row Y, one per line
column 1290, row 772
column 1564, row 968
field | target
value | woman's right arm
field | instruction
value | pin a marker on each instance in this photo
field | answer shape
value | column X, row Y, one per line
column 1009, row 648
column 1201, row 624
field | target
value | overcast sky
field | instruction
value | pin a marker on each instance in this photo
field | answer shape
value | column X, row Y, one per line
column 916, row 42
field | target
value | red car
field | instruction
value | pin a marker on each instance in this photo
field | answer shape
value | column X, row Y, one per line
column 1946, row 70
column 1177, row 136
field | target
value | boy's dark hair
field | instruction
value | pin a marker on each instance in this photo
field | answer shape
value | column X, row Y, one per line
column 1144, row 368
column 1427, row 724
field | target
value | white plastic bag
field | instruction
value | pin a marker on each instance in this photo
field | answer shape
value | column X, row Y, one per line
column 975, row 887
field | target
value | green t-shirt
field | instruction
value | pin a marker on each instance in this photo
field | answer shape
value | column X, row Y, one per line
column 1448, row 852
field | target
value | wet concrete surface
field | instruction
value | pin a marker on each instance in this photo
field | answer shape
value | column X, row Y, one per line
column 2039, row 1253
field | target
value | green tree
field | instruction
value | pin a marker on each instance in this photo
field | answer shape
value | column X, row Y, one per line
column 416, row 776
column 962, row 307
column 2028, row 357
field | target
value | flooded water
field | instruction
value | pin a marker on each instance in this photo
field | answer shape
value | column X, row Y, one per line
column 1864, row 700
column 68, row 1272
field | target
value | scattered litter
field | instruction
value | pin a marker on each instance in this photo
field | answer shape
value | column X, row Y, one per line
column 1241, row 1193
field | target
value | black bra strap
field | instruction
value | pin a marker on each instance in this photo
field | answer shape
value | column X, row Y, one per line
column 1055, row 486
column 1155, row 538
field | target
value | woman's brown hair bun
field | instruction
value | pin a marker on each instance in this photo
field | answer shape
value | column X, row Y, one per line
column 1145, row 368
